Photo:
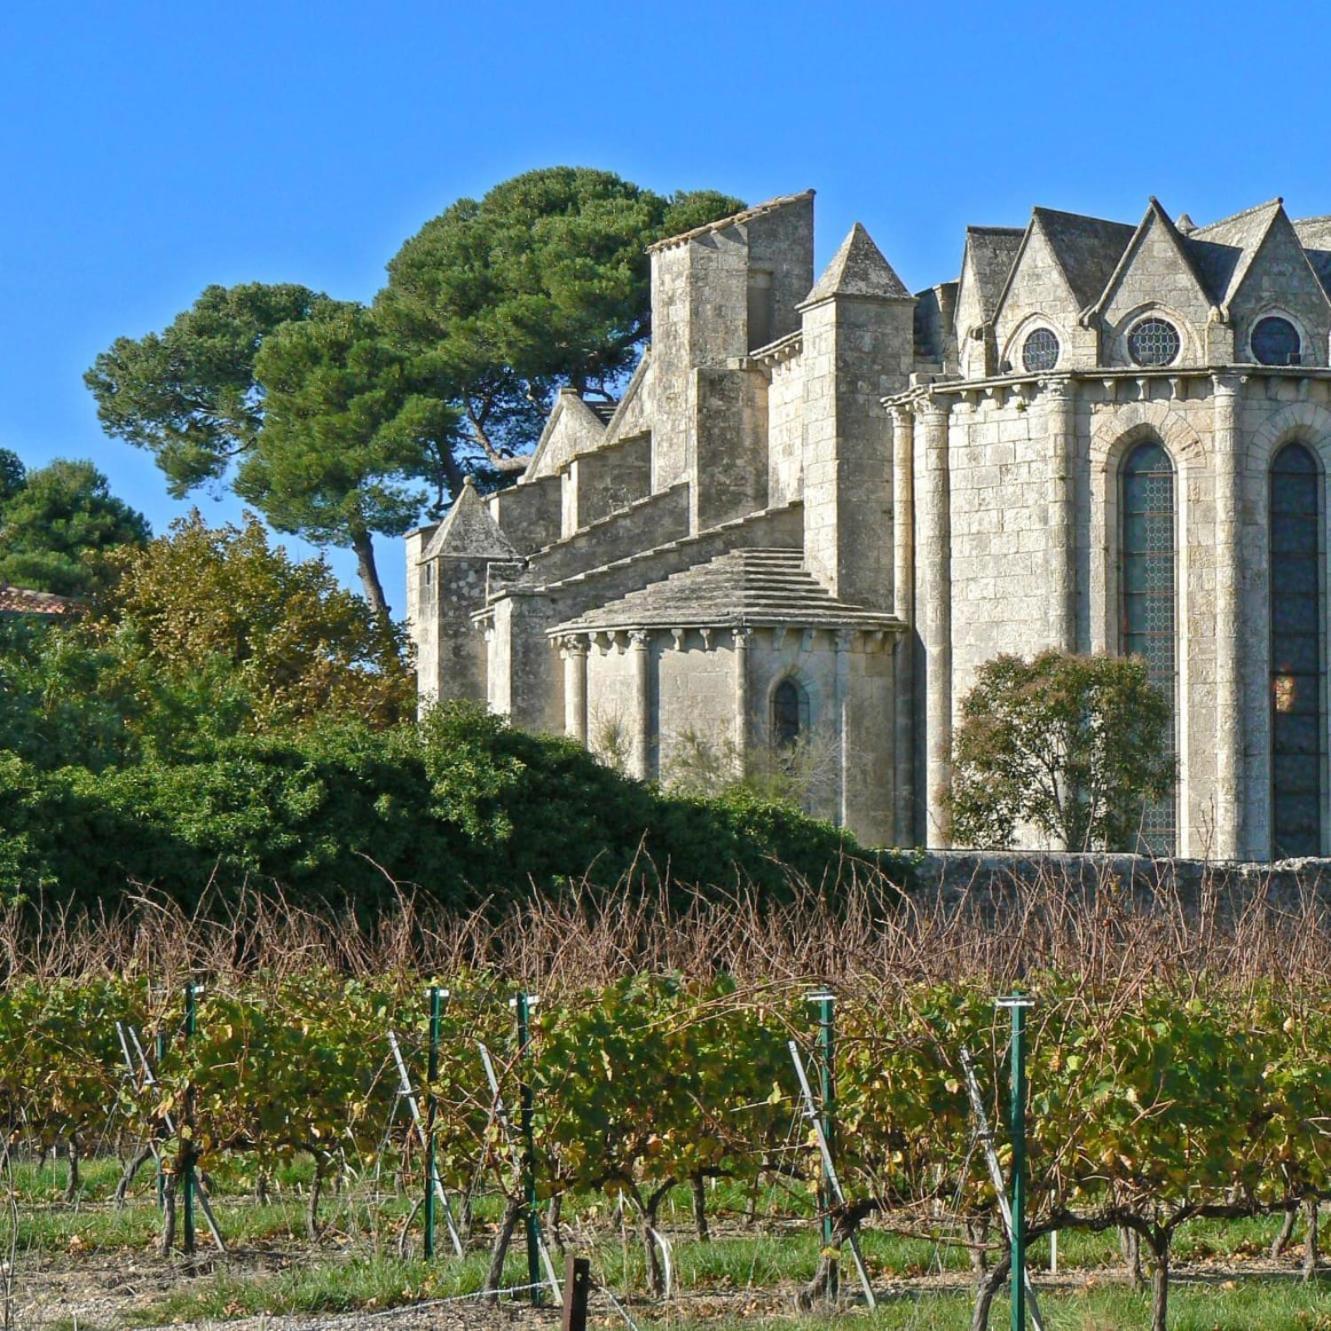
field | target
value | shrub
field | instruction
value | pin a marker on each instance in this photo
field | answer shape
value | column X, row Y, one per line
column 461, row 806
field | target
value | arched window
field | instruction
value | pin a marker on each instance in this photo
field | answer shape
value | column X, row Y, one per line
column 786, row 719
column 1146, row 583
column 1296, row 654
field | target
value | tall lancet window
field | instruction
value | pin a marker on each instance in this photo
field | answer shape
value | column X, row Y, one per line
column 1296, row 654
column 1146, row 581
column 786, row 714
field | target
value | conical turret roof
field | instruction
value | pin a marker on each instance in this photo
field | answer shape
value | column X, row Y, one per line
column 859, row 269
column 469, row 529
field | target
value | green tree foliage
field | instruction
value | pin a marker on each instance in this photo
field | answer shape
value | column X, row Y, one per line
column 221, row 610
column 13, row 474
column 57, row 522
column 350, row 433
column 201, row 635
column 1074, row 746
column 347, row 422
column 188, row 394
column 544, row 282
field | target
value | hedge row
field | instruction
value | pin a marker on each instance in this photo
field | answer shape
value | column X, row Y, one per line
column 462, row 807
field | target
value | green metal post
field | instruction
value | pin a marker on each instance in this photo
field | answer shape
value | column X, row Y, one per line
column 827, row 1055
column 161, row 1173
column 432, row 1075
column 1017, row 1006
column 522, row 1007
column 187, row 1182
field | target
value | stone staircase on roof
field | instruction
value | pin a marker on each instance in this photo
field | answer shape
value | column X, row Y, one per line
column 756, row 586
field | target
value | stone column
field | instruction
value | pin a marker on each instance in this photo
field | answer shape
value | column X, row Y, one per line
column 642, row 704
column 903, row 589
column 1228, row 700
column 575, row 689
column 742, row 637
column 936, row 616
column 1060, row 399
column 841, row 640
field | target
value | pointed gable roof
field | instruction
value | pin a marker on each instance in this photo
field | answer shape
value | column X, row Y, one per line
column 1245, row 237
column 568, row 400
column 991, row 251
column 858, row 269
column 1314, row 235
column 469, row 529
column 1225, row 249
column 1087, row 249
column 1155, row 217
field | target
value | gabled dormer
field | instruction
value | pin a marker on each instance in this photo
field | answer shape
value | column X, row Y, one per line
column 1156, row 308
column 985, row 265
column 573, row 426
column 1061, row 266
column 1277, row 305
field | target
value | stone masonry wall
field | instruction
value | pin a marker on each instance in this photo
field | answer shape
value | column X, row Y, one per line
column 785, row 431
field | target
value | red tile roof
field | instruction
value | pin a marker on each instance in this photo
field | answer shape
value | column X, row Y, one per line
column 21, row 601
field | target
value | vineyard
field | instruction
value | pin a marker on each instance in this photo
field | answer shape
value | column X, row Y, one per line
column 610, row 1080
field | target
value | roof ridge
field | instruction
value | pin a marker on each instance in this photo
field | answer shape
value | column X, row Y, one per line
column 721, row 223
column 1081, row 217
column 1277, row 202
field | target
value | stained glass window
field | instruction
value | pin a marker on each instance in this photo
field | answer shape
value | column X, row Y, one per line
column 1275, row 341
column 1153, row 342
column 1039, row 351
column 785, row 714
column 1296, row 654
column 1147, row 595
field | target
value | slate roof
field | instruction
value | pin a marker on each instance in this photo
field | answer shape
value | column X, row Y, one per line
column 1087, row 249
column 735, row 219
column 1314, row 235
column 741, row 587
column 470, row 530
column 21, row 601
column 992, row 250
column 605, row 411
column 859, row 269
column 1224, row 250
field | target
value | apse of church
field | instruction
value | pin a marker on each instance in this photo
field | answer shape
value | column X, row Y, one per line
column 819, row 506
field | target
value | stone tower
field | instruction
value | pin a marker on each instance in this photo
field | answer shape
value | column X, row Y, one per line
column 859, row 347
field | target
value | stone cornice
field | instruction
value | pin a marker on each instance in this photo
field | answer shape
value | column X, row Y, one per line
column 912, row 398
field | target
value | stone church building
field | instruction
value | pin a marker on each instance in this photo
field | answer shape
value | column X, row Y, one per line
column 821, row 505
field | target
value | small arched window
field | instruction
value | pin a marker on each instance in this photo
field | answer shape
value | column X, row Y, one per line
column 1294, row 532
column 786, row 719
column 1147, row 597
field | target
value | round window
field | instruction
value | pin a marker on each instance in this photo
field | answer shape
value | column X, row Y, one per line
column 1039, row 351
column 1153, row 342
column 1275, row 341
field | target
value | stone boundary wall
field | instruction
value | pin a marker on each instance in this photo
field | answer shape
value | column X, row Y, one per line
column 1001, row 872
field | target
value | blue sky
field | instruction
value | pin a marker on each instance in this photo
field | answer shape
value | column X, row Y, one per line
column 149, row 149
